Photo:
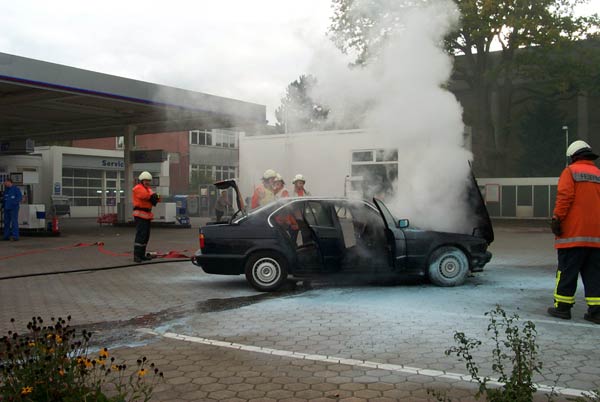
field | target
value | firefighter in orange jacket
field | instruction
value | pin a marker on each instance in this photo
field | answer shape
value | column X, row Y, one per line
column 576, row 224
column 143, row 201
column 263, row 193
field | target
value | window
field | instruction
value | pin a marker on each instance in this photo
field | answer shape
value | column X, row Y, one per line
column 217, row 138
column 201, row 137
column 120, row 142
column 362, row 156
column 376, row 172
column 82, row 186
column 316, row 214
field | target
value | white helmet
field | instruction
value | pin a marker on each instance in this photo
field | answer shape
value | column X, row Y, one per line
column 278, row 177
column 145, row 176
column 269, row 173
column 578, row 146
column 298, row 177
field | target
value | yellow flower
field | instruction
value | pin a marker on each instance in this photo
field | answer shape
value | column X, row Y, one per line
column 79, row 359
column 31, row 344
column 51, row 350
column 141, row 372
column 114, row 367
column 61, row 372
column 103, row 353
column 88, row 363
column 49, row 336
column 102, row 362
column 26, row 390
column 58, row 339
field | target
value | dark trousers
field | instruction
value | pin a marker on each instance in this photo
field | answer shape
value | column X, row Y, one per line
column 142, row 235
column 571, row 263
column 11, row 223
column 219, row 214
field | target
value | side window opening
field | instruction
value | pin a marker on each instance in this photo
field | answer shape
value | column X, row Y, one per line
column 316, row 214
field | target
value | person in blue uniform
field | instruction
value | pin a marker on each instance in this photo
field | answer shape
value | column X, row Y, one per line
column 11, row 199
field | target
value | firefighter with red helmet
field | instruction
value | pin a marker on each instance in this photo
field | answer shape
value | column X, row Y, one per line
column 143, row 201
column 576, row 225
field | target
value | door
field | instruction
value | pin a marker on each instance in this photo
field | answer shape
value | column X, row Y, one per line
column 394, row 235
column 318, row 215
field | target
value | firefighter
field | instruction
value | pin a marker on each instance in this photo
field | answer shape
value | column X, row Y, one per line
column 263, row 193
column 576, row 225
column 299, row 190
column 279, row 189
column 143, row 201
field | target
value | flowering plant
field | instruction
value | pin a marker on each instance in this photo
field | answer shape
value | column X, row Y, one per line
column 54, row 363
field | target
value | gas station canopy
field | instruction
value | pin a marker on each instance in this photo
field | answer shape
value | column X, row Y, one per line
column 47, row 101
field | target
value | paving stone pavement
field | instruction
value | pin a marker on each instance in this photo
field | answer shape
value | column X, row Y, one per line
column 399, row 324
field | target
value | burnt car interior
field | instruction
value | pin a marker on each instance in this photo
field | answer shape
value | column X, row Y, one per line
column 334, row 236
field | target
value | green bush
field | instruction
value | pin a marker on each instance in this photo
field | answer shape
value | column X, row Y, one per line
column 514, row 356
column 54, row 363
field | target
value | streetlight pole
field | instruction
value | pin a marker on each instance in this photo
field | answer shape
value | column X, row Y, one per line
column 566, row 128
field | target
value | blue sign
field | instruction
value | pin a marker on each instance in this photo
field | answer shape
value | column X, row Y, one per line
column 57, row 188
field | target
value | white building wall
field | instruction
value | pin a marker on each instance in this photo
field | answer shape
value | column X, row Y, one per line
column 324, row 158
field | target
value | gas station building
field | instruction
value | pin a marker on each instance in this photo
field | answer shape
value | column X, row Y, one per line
column 43, row 102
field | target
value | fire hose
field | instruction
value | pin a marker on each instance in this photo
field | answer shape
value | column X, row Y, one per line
column 101, row 249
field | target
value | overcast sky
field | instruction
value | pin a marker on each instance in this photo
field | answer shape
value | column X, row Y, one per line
column 243, row 49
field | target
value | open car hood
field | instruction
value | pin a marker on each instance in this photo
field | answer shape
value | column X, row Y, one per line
column 227, row 184
column 483, row 226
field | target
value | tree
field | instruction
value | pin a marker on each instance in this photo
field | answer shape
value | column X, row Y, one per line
column 528, row 34
column 298, row 111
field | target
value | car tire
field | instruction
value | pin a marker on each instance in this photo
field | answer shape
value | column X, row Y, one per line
column 448, row 266
column 266, row 271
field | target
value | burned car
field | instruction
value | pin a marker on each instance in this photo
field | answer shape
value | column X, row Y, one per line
column 314, row 236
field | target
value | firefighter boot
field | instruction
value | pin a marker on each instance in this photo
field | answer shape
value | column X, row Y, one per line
column 593, row 314
column 562, row 310
column 138, row 253
column 145, row 257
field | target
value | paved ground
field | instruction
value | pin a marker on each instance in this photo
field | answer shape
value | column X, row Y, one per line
column 217, row 339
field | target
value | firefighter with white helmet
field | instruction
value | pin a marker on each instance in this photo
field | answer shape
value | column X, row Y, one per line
column 263, row 193
column 299, row 182
column 143, row 201
column 576, row 225
column 279, row 187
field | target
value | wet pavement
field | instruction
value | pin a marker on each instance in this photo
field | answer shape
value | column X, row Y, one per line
column 217, row 339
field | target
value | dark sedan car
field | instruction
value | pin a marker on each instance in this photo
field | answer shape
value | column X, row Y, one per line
column 313, row 236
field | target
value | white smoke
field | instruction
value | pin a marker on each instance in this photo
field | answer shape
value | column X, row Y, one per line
column 408, row 108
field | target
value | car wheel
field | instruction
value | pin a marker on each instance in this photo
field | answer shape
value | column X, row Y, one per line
column 266, row 271
column 448, row 266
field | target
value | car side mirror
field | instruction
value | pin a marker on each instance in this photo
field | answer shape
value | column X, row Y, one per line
column 403, row 223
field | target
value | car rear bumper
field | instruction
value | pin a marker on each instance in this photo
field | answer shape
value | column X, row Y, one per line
column 220, row 264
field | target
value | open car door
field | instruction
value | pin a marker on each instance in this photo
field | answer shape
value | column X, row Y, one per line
column 319, row 218
column 390, row 234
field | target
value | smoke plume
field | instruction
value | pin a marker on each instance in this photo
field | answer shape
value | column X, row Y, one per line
column 399, row 97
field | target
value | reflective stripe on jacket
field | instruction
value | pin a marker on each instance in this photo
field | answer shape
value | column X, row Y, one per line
column 142, row 207
column 578, row 206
